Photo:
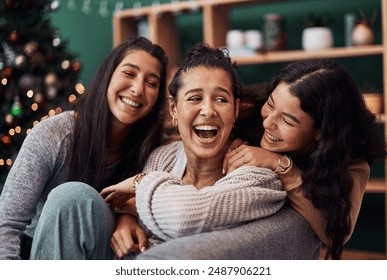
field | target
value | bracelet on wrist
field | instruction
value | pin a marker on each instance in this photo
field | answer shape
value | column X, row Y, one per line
column 137, row 179
column 284, row 163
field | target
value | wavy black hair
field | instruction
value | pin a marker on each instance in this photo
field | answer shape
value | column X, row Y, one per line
column 349, row 133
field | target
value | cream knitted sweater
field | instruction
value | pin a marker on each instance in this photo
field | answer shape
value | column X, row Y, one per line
column 169, row 208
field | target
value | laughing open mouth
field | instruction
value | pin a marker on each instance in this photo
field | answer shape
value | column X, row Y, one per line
column 206, row 131
column 130, row 103
column 273, row 138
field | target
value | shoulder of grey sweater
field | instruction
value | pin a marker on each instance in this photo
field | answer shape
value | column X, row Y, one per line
column 163, row 158
column 251, row 177
column 51, row 133
column 55, row 126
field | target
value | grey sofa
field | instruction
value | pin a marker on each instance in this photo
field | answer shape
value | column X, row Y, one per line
column 285, row 235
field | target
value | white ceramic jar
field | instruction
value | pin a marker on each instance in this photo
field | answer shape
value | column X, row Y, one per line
column 235, row 39
column 315, row 38
column 253, row 39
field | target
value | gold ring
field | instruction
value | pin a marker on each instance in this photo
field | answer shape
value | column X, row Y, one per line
column 236, row 149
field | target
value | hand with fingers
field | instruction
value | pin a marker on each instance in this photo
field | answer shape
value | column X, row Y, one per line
column 128, row 236
column 242, row 154
column 118, row 195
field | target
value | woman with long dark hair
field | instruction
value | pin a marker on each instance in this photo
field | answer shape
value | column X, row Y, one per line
column 108, row 136
column 321, row 139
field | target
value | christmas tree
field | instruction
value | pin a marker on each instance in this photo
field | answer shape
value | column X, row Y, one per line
column 38, row 77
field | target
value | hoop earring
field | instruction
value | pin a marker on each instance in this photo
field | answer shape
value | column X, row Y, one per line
column 174, row 122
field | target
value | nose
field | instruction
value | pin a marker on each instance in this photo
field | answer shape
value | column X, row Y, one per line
column 207, row 109
column 269, row 121
column 137, row 87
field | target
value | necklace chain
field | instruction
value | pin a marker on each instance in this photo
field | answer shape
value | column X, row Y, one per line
column 192, row 179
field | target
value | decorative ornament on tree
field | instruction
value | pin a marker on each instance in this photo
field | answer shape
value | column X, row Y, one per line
column 9, row 54
column 76, row 65
column 27, row 81
column 20, row 61
column 13, row 37
column 16, row 109
column 9, row 119
column 31, row 48
column 7, row 72
column 56, row 40
column 65, row 64
column 38, row 98
column 52, row 93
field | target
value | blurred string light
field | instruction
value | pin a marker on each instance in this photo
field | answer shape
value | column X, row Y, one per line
column 12, row 132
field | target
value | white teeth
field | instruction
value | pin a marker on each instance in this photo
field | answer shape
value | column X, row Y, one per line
column 206, row 127
column 272, row 138
column 129, row 102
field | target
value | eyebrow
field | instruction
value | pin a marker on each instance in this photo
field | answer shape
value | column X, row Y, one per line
column 286, row 114
column 137, row 68
column 201, row 90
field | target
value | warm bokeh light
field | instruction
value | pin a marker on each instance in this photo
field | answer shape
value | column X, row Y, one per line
column 34, row 107
column 58, row 110
column 72, row 98
column 51, row 113
column 79, row 88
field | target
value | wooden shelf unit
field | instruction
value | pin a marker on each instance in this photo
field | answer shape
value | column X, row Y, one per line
column 216, row 22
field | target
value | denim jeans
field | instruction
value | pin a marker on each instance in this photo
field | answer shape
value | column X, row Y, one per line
column 75, row 224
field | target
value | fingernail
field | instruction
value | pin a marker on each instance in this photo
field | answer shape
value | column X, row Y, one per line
column 143, row 249
column 223, row 171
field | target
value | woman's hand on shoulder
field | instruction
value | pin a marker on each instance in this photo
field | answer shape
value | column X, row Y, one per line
column 128, row 236
column 242, row 154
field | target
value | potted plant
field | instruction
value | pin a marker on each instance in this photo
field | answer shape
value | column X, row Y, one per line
column 316, row 35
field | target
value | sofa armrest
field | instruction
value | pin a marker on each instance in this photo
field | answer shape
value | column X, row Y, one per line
column 284, row 235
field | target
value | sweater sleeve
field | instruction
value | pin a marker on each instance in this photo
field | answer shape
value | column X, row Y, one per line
column 171, row 209
column 292, row 184
column 32, row 169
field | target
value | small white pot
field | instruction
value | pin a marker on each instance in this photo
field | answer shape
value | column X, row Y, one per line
column 315, row 38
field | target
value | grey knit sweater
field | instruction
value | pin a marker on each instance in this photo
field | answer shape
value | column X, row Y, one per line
column 41, row 165
column 170, row 209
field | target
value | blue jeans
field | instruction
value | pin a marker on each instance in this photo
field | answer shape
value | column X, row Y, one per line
column 75, row 224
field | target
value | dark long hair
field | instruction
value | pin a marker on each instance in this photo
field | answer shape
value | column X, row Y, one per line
column 92, row 123
column 349, row 133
